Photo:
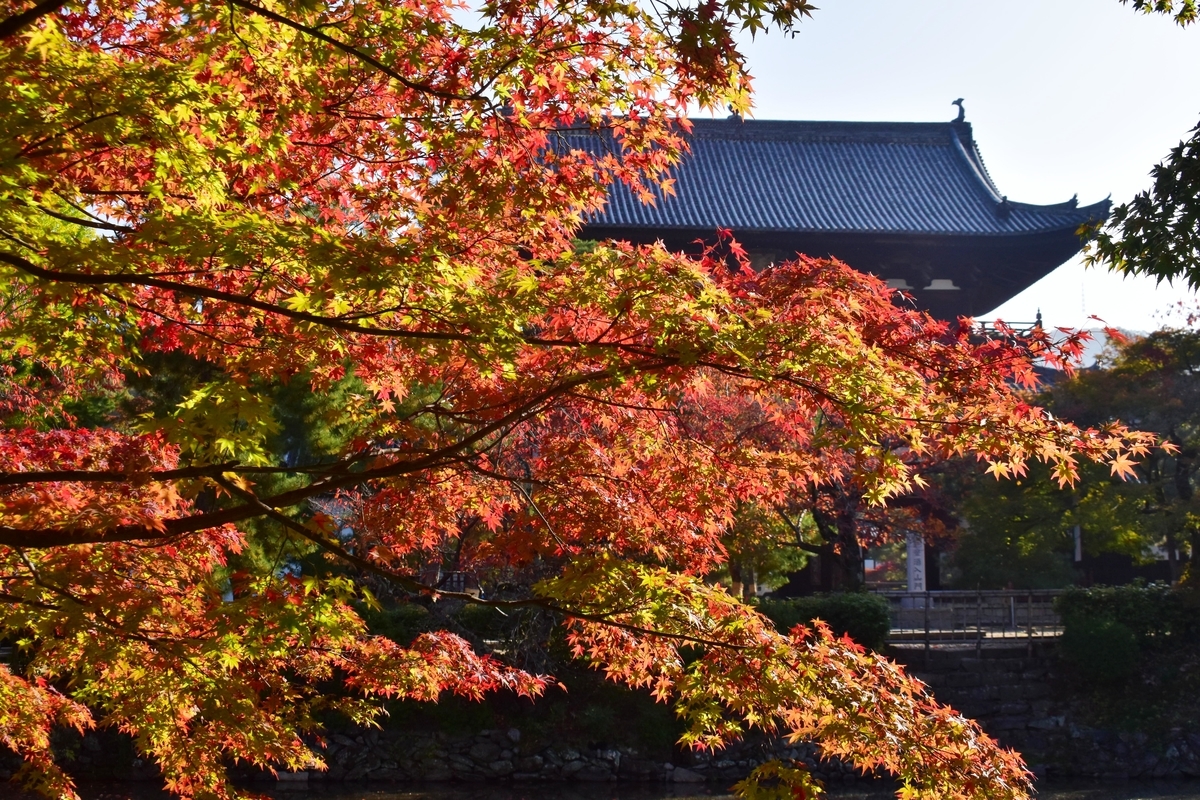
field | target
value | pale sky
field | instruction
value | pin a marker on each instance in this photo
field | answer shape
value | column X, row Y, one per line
column 1066, row 97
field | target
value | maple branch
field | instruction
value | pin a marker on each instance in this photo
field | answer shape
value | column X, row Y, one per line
column 350, row 50
column 89, row 476
column 28, row 267
column 799, row 543
column 31, row 149
column 545, row 521
column 86, row 279
column 70, row 596
column 416, row 586
column 311, row 536
column 87, row 223
column 171, row 528
column 591, row 398
column 18, row 22
column 25, row 601
column 197, row 328
column 264, row 509
column 625, row 626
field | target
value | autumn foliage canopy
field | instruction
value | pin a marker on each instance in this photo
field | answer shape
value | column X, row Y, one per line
column 207, row 206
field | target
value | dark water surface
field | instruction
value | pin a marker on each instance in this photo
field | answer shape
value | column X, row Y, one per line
column 1109, row 790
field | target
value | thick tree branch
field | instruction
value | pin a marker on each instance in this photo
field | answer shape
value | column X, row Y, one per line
column 85, row 279
column 97, row 476
column 26, row 478
column 336, row 323
column 806, row 547
column 18, row 22
column 799, row 543
column 87, row 223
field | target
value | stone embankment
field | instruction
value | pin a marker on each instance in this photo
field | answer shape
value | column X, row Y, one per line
column 1016, row 692
column 501, row 755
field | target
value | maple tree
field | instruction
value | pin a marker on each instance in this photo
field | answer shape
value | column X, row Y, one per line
column 221, row 224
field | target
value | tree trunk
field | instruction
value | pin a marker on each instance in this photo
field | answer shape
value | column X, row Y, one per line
column 849, row 551
column 826, row 565
column 749, row 584
column 735, row 574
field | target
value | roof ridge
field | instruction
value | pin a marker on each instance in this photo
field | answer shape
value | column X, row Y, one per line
column 813, row 130
column 974, row 154
column 977, row 168
column 757, row 121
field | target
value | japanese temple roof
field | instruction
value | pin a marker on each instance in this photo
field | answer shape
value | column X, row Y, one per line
column 844, row 177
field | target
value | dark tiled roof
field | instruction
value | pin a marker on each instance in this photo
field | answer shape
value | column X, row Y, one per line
column 869, row 177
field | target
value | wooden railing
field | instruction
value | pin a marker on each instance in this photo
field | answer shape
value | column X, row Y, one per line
column 979, row 616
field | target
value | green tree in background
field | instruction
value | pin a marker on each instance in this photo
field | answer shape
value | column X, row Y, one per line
column 1020, row 531
column 1153, row 383
column 764, row 546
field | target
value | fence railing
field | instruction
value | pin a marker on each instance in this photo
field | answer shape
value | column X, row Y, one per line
column 979, row 616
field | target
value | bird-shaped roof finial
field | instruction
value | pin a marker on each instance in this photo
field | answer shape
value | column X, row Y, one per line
column 962, row 112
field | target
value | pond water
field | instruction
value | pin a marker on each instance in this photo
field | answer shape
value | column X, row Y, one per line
column 1130, row 790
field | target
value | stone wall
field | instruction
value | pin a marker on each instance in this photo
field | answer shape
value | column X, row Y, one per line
column 1008, row 689
column 397, row 756
column 1018, row 693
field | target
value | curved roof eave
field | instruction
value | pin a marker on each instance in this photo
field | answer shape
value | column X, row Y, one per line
column 783, row 177
column 853, row 232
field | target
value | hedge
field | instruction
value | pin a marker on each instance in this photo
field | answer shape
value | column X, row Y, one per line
column 863, row 616
column 1107, row 629
column 1158, row 615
